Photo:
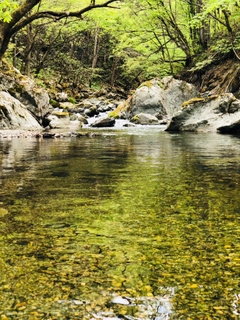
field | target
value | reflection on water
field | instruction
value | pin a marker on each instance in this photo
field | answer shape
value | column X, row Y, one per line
column 133, row 224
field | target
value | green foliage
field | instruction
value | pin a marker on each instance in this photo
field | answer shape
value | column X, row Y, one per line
column 135, row 40
column 202, row 64
column 7, row 7
column 222, row 46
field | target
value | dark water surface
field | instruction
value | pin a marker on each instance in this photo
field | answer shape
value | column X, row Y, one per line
column 134, row 224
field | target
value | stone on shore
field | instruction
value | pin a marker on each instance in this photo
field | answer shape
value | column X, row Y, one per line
column 145, row 119
column 104, row 122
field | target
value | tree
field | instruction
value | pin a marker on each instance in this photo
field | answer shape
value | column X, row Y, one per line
column 15, row 15
column 161, row 37
column 155, row 38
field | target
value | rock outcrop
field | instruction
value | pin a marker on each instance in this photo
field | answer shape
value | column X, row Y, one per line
column 217, row 75
column 177, row 103
column 24, row 89
column 14, row 115
column 184, row 107
column 213, row 113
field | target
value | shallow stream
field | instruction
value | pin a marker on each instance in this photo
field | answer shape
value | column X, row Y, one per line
column 135, row 223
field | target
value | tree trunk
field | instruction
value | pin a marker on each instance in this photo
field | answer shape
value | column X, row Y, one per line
column 14, row 59
column 20, row 18
column 4, row 38
column 29, row 51
column 203, row 32
column 8, row 29
column 113, row 71
column 96, row 48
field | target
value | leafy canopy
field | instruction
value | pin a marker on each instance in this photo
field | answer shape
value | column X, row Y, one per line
column 7, row 7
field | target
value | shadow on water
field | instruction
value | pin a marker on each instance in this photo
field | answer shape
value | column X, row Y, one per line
column 132, row 224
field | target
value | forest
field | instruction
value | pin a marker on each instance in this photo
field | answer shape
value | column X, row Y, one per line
column 116, row 43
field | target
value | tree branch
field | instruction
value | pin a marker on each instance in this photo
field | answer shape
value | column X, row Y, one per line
column 19, row 24
column 22, row 11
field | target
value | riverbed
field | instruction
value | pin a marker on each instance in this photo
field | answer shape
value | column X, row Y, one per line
column 134, row 223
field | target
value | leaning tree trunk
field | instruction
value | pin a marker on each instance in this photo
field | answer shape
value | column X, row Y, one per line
column 20, row 18
column 5, row 37
column 8, row 29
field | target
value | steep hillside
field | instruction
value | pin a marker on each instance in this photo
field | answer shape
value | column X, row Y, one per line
column 219, row 76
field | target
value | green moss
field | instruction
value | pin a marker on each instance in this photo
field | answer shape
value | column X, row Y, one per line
column 147, row 84
column 72, row 100
column 54, row 103
column 60, row 114
column 3, row 212
column 123, row 107
column 212, row 97
column 113, row 114
column 192, row 101
column 135, row 118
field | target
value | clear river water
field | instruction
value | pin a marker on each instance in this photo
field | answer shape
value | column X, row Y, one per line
column 134, row 223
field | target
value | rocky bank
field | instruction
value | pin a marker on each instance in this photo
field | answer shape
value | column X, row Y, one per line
column 210, row 103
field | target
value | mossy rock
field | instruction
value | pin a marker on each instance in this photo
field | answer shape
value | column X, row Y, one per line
column 3, row 212
column 54, row 103
column 192, row 101
column 8, row 68
column 60, row 114
column 151, row 83
column 72, row 100
column 123, row 107
column 135, row 118
column 115, row 113
column 67, row 105
column 148, row 84
column 214, row 97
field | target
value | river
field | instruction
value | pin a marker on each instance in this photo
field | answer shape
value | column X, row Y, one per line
column 133, row 223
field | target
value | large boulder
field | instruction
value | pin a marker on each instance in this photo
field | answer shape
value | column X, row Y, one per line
column 23, row 88
column 175, row 92
column 14, row 115
column 213, row 113
column 35, row 98
column 162, row 98
column 148, row 99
